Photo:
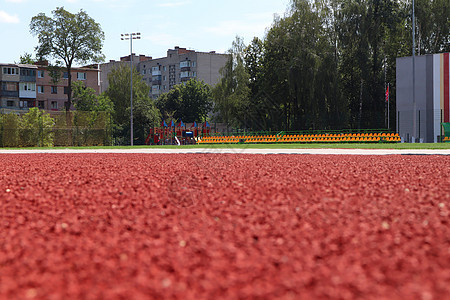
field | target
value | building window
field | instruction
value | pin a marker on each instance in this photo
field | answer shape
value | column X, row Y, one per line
column 27, row 86
column 9, row 103
column 40, row 89
column 10, row 71
column 27, row 72
column 143, row 72
column 54, row 89
column 41, row 104
column 54, row 105
column 165, row 68
column 66, row 90
column 193, row 64
column 40, row 74
column 66, row 75
column 164, row 87
column 164, row 78
column 81, row 75
column 185, row 64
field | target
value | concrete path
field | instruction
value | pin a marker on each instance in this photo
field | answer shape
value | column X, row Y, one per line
column 242, row 151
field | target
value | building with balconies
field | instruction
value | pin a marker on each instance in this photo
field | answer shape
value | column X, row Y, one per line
column 52, row 91
column 9, row 86
column 106, row 68
column 180, row 65
column 27, row 86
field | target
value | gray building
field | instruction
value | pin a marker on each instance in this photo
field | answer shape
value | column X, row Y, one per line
column 106, row 68
column 431, row 96
column 180, row 65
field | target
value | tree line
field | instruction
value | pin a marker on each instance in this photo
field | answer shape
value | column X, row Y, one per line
column 325, row 64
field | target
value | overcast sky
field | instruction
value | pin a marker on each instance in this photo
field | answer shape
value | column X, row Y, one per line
column 201, row 25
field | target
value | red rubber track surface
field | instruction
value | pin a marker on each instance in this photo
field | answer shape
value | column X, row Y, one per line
column 224, row 226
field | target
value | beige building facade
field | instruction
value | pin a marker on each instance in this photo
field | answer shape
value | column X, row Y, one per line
column 24, row 86
column 52, row 95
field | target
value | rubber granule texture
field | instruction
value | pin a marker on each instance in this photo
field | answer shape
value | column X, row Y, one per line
column 224, row 226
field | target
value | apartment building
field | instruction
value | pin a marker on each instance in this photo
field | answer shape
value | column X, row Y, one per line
column 180, row 65
column 52, row 94
column 23, row 86
column 9, row 91
column 106, row 68
column 27, row 86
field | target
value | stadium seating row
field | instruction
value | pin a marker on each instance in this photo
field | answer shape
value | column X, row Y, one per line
column 304, row 138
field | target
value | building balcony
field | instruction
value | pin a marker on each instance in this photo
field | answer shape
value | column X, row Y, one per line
column 156, row 73
column 12, row 94
column 185, row 64
column 27, row 94
column 156, row 82
column 184, row 74
column 24, row 78
column 156, row 90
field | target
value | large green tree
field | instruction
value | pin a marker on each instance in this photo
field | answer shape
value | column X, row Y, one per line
column 188, row 102
column 145, row 113
column 433, row 26
column 300, row 68
column 86, row 99
column 69, row 38
column 232, row 92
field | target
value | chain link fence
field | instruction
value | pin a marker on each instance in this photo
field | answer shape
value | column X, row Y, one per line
column 37, row 128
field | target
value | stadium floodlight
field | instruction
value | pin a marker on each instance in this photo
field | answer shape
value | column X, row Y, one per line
column 131, row 37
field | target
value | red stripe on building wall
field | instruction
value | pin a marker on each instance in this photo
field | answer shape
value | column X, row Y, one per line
column 446, row 88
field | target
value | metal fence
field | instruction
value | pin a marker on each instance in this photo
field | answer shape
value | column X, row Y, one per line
column 55, row 129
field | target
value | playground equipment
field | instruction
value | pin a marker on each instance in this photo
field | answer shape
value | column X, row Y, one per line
column 177, row 133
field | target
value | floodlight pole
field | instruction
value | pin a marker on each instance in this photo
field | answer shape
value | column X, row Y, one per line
column 131, row 37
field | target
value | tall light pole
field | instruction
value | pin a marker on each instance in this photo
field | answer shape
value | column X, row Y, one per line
column 131, row 37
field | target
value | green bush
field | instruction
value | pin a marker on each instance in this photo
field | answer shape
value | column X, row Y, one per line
column 10, row 134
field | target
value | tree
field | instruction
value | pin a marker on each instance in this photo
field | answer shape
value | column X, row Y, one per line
column 85, row 99
column 72, row 38
column 432, row 26
column 145, row 114
column 231, row 93
column 36, row 129
column 27, row 58
column 189, row 102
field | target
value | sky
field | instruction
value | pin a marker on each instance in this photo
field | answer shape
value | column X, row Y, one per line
column 200, row 25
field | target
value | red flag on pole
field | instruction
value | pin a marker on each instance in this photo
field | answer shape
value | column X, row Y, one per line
column 387, row 93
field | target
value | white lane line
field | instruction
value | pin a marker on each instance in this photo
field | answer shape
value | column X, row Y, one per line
column 239, row 151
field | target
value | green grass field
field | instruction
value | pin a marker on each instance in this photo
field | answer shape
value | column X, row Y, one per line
column 277, row 146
